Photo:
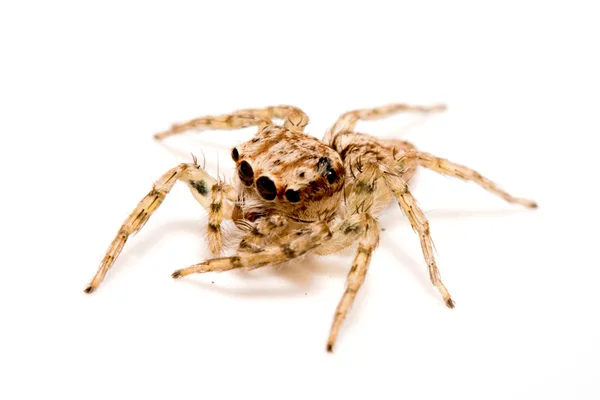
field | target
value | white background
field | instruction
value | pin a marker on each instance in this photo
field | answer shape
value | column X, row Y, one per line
column 84, row 87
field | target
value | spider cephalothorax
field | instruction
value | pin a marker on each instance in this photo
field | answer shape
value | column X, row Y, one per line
column 289, row 173
column 294, row 194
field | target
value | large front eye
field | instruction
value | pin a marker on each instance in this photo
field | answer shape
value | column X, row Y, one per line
column 293, row 196
column 331, row 176
column 266, row 188
column 246, row 173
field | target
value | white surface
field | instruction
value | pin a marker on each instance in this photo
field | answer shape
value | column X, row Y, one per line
column 84, row 87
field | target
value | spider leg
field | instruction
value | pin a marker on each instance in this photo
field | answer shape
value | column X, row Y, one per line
column 262, row 232
column 420, row 224
column 367, row 243
column 293, row 118
column 282, row 249
column 357, row 225
column 362, row 194
column 216, row 212
column 348, row 121
column 199, row 183
column 449, row 168
column 344, row 234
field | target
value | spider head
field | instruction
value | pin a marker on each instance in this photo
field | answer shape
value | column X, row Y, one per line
column 289, row 173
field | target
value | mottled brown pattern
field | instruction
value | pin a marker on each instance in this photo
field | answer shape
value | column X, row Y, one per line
column 312, row 195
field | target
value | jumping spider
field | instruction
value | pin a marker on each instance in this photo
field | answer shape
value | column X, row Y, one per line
column 294, row 194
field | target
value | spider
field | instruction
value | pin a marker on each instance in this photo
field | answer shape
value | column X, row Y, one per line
column 294, row 194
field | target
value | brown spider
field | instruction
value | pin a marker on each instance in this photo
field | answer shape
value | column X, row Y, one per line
column 294, row 194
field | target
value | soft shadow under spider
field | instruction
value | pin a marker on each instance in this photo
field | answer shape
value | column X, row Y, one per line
column 301, row 273
column 417, row 268
column 139, row 248
column 289, row 291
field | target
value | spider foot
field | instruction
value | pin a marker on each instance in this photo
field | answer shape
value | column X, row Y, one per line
column 532, row 204
column 194, row 269
column 177, row 274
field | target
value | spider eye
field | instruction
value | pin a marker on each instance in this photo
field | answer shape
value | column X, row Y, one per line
column 235, row 155
column 331, row 176
column 246, row 173
column 266, row 188
column 293, row 196
column 324, row 165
